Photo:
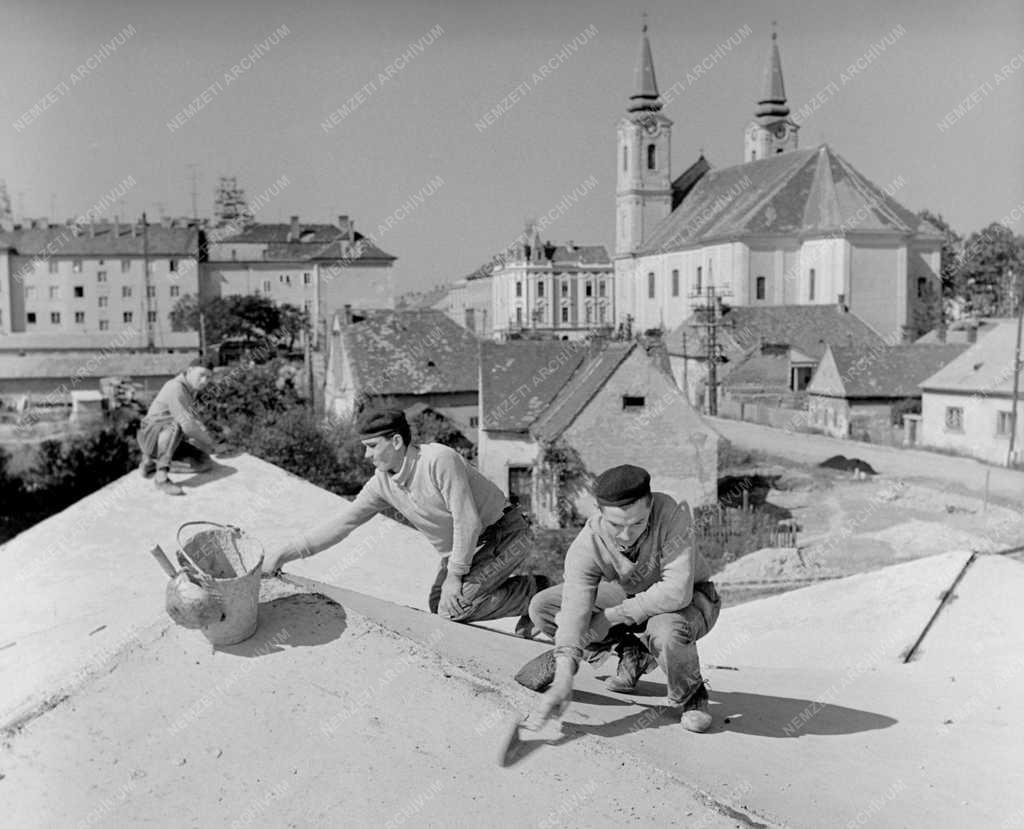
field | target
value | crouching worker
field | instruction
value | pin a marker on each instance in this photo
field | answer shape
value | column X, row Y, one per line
column 635, row 583
column 170, row 435
column 480, row 537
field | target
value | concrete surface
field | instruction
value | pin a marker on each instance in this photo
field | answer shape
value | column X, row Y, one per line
column 837, row 734
column 946, row 470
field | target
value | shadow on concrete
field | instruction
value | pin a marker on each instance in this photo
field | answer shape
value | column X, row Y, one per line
column 761, row 715
column 218, row 471
column 301, row 620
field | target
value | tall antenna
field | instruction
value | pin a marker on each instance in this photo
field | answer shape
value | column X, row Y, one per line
column 194, row 192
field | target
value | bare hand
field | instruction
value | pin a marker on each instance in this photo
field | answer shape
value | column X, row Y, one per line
column 452, row 603
column 276, row 559
column 555, row 700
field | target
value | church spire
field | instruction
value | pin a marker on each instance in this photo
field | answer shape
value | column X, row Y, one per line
column 645, row 96
column 773, row 92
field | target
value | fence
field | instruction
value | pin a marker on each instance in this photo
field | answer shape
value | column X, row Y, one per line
column 724, row 534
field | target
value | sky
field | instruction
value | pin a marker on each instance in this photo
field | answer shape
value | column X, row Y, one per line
column 414, row 145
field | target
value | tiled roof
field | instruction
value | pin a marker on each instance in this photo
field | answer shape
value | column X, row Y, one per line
column 688, row 179
column 892, row 371
column 580, row 390
column 319, row 247
column 986, row 367
column 410, row 352
column 804, row 327
column 767, row 371
column 66, row 365
column 106, row 341
column 581, row 255
column 60, row 241
column 258, row 232
column 519, row 379
column 804, row 192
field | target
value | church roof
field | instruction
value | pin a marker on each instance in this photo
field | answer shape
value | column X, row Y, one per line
column 805, row 192
column 772, row 103
column 645, row 85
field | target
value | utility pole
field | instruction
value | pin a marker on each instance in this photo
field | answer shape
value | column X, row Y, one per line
column 686, row 373
column 710, row 311
column 1016, row 373
column 145, row 271
column 202, row 333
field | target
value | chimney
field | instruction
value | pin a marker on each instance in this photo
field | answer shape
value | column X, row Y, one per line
column 347, row 313
column 293, row 234
column 841, row 303
column 348, row 231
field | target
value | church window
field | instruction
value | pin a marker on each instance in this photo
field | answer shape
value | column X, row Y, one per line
column 540, row 288
column 600, row 313
column 810, row 285
column 651, row 157
column 589, row 290
column 700, row 273
column 589, row 313
column 650, row 285
column 600, row 288
column 565, row 314
column 519, row 316
column 519, row 288
column 760, row 290
column 675, row 282
column 625, row 158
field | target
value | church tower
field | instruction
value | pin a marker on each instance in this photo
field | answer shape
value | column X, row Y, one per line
column 772, row 131
column 644, row 184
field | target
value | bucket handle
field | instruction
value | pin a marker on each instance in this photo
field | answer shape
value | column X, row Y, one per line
column 236, row 531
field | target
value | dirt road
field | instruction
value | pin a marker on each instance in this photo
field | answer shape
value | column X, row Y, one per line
column 948, row 472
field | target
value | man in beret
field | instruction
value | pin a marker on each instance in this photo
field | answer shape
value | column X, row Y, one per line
column 635, row 583
column 170, row 435
column 480, row 537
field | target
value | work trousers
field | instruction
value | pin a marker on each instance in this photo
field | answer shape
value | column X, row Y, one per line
column 165, row 443
column 490, row 587
column 670, row 637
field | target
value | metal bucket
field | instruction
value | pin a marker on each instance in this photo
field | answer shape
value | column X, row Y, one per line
column 232, row 562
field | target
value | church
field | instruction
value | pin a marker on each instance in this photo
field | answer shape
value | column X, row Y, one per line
column 787, row 226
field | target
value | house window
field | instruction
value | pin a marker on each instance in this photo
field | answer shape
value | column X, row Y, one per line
column 126, row 265
column 307, row 278
column 175, row 290
column 151, row 291
column 474, row 422
column 565, row 287
column 126, row 291
column 55, row 317
column 519, row 288
column 650, row 285
column 30, row 292
column 266, row 286
column 540, row 288
column 759, row 291
column 600, row 288
column 519, row 487
column 954, row 419
column 651, row 157
column 127, row 316
column 30, row 317
column 565, row 314
column 104, row 325
column 102, row 301
column 632, row 403
column 1003, row 424
column 79, row 316
column 698, row 286
column 54, row 267
column 810, row 285
column 79, row 291
column 76, row 265
column 151, row 316
column 519, row 316
column 101, row 276
column 675, row 282
column 588, row 289
column 172, row 265
column 55, row 292
column 922, row 287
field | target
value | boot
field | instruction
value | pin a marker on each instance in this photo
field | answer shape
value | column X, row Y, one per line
column 524, row 627
column 633, row 663
column 147, row 467
column 695, row 711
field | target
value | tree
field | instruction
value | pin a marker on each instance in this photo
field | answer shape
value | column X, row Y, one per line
column 229, row 202
column 5, row 203
column 949, row 257
column 991, row 268
column 294, row 323
column 248, row 316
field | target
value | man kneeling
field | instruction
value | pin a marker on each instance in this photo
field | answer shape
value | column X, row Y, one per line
column 635, row 582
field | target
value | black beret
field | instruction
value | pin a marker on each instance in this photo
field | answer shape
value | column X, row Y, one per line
column 622, row 485
column 382, row 422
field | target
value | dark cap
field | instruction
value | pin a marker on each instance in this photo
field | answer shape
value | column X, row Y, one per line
column 201, row 362
column 622, row 485
column 382, row 422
